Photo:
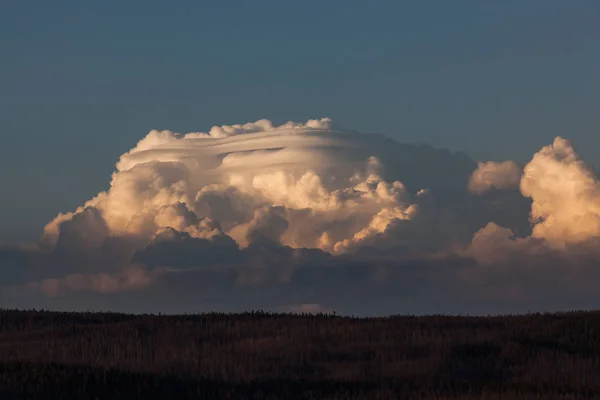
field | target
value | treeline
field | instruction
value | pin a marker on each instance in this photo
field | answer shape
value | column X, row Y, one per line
column 50, row 355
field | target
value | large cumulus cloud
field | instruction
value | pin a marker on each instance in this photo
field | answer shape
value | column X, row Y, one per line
column 265, row 216
column 231, row 180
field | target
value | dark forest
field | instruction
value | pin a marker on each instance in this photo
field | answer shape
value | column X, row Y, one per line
column 258, row 355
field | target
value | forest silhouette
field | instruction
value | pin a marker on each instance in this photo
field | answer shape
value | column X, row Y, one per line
column 259, row 355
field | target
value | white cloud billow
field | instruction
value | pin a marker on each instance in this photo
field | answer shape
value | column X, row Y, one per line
column 216, row 182
column 503, row 175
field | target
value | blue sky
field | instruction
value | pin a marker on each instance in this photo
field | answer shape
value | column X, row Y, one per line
column 82, row 82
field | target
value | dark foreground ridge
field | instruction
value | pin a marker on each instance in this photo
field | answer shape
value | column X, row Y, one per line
column 50, row 355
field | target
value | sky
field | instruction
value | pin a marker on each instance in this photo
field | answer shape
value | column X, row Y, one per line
column 81, row 83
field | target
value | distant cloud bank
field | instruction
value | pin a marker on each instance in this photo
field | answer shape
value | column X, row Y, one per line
column 263, row 216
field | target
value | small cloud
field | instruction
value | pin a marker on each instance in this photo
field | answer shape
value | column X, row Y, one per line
column 308, row 308
column 497, row 175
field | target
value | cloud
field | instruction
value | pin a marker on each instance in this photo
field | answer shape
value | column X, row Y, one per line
column 180, row 249
column 565, row 193
column 307, row 214
column 306, row 309
column 488, row 175
column 327, row 188
column 132, row 277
